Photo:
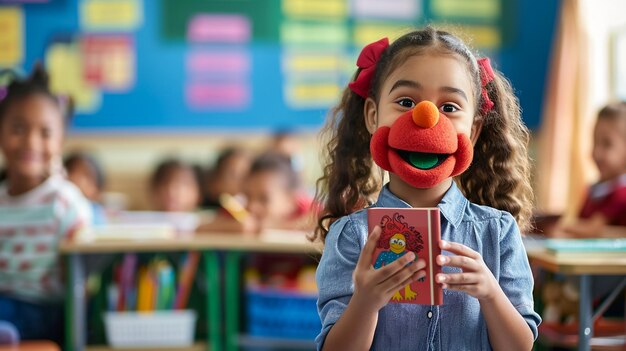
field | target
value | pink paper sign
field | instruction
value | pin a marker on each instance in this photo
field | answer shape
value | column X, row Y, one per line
column 209, row 95
column 210, row 28
column 233, row 62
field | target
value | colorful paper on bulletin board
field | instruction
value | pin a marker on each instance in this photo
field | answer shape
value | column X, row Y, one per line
column 219, row 28
column 231, row 63
column 306, row 34
column 315, row 9
column 365, row 33
column 64, row 63
column 111, row 15
column 263, row 15
column 484, row 37
column 311, row 94
column 475, row 9
column 211, row 95
column 388, row 9
column 12, row 38
column 315, row 62
column 109, row 61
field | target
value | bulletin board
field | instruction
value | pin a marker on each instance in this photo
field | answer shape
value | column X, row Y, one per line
column 206, row 65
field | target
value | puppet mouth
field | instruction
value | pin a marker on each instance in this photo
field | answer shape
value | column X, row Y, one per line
column 422, row 160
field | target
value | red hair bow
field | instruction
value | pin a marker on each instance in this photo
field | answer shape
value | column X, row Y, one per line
column 486, row 76
column 368, row 58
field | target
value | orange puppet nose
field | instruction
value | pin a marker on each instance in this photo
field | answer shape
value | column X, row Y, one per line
column 425, row 114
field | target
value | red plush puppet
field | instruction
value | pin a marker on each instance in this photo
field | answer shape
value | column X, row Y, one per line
column 422, row 147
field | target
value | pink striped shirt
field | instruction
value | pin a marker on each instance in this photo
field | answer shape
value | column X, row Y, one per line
column 31, row 226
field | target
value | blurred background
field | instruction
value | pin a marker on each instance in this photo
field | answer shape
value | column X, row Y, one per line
column 174, row 99
column 184, row 79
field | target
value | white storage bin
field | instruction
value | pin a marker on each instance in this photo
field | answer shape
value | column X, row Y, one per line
column 150, row 329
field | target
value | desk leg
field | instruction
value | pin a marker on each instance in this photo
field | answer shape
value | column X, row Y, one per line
column 211, row 269
column 75, row 326
column 232, row 299
column 585, row 327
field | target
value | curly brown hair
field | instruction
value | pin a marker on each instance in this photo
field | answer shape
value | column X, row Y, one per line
column 499, row 175
column 500, row 172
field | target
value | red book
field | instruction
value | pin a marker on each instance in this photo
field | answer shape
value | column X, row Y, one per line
column 404, row 230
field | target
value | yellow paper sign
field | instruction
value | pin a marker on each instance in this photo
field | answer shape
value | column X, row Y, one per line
column 366, row 33
column 485, row 9
column 12, row 37
column 311, row 62
column 315, row 8
column 65, row 66
column 486, row 37
column 311, row 94
column 107, row 15
column 329, row 33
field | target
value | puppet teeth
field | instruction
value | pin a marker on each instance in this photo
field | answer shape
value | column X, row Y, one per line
column 422, row 160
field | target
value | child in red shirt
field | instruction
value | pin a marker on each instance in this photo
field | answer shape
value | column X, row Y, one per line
column 604, row 210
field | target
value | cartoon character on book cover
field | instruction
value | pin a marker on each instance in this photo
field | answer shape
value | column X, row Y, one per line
column 396, row 239
column 404, row 230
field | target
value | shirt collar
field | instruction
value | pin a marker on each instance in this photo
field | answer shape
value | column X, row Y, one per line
column 452, row 205
column 600, row 190
column 39, row 190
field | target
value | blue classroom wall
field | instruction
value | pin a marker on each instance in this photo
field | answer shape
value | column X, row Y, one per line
column 157, row 102
column 526, row 62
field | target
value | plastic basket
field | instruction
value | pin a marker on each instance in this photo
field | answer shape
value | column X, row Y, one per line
column 279, row 313
column 150, row 329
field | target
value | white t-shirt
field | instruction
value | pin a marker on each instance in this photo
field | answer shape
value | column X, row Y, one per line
column 31, row 227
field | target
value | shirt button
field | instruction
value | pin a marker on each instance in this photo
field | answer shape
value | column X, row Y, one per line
column 429, row 314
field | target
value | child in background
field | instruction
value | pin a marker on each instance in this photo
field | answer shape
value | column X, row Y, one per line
column 603, row 213
column 273, row 194
column 38, row 208
column 227, row 175
column 604, row 210
column 175, row 187
column 273, row 199
column 85, row 172
column 486, row 280
column 286, row 143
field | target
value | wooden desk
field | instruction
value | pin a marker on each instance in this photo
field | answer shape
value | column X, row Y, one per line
column 585, row 268
column 232, row 245
column 31, row 346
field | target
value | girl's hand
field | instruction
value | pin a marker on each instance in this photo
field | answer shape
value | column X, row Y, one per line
column 373, row 288
column 476, row 279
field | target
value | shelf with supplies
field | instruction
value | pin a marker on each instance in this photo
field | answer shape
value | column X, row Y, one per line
column 220, row 256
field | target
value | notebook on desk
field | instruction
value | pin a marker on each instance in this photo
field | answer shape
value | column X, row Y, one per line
column 127, row 231
column 145, row 225
column 587, row 247
column 183, row 222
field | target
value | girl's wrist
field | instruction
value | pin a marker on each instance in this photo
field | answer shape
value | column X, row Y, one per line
column 363, row 304
column 495, row 294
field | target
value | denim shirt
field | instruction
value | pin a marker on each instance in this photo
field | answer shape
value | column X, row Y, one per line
column 458, row 324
